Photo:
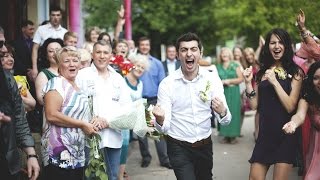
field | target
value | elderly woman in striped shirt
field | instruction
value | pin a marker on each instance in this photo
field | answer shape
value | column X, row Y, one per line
column 67, row 112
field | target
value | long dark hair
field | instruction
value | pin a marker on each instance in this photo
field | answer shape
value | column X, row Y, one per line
column 308, row 89
column 267, row 60
column 43, row 51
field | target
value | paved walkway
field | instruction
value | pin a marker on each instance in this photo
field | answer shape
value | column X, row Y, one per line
column 230, row 162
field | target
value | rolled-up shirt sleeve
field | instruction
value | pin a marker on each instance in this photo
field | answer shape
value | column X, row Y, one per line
column 164, row 100
column 218, row 92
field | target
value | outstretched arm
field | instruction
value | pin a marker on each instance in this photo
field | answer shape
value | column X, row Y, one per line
column 309, row 39
column 297, row 119
column 258, row 50
column 120, row 23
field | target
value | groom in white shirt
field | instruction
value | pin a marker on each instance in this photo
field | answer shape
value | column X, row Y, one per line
column 185, row 101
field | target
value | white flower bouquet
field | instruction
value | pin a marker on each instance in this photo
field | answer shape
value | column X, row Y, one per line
column 132, row 117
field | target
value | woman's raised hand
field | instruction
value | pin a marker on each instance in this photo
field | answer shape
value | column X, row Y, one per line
column 301, row 19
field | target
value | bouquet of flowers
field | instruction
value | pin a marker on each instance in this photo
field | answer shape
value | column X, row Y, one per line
column 96, row 168
column 153, row 133
column 121, row 65
column 282, row 74
column 203, row 94
column 22, row 84
column 131, row 116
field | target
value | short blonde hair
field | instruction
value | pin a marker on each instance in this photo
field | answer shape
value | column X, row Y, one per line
column 228, row 50
column 70, row 50
column 139, row 58
column 84, row 55
column 70, row 34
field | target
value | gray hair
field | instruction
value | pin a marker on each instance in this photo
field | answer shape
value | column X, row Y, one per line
column 140, row 58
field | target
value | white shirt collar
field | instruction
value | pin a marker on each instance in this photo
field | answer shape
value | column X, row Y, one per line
column 110, row 69
column 179, row 75
column 171, row 62
column 50, row 26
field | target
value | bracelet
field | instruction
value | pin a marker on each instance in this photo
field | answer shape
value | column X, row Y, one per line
column 304, row 34
column 251, row 94
column 32, row 156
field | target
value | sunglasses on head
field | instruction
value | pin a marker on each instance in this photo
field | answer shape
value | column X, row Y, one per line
column 2, row 43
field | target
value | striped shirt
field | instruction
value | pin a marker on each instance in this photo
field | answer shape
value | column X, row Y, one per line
column 64, row 146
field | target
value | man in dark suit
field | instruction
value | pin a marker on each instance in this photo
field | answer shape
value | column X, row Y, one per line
column 171, row 63
column 23, row 49
column 23, row 65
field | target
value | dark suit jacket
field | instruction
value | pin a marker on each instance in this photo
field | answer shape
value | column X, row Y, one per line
column 15, row 133
column 178, row 64
column 22, row 57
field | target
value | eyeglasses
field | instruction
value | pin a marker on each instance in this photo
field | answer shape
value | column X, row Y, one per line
column 2, row 43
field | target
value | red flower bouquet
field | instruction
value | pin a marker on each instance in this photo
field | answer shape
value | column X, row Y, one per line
column 121, row 65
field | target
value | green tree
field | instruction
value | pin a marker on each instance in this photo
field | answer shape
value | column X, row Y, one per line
column 101, row 13
column 215, row 21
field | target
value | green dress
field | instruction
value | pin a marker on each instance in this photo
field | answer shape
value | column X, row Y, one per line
column 232, row 94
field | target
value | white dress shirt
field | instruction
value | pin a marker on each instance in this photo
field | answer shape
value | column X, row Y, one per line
column 171, row 65
column 187, row 116
column 48, row 31
column 109, row 96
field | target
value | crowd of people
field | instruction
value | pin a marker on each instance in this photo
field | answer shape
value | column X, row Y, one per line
column 46, row 82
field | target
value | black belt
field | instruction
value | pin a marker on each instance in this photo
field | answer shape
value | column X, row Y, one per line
column 150, row 98
column 194, row 145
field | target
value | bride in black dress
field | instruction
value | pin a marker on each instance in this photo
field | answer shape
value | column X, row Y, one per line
column 275, row 98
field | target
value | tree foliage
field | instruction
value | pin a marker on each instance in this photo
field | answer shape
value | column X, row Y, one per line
column 101, row 13
column 215, row 21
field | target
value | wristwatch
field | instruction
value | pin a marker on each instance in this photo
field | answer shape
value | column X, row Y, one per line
column 32, row 156
column 223, row 114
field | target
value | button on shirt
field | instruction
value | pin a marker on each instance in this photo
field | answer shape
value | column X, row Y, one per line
column 187, row 116
column 109, row 97
column 48, row 31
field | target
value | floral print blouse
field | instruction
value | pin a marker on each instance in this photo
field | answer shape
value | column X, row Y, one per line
column 64, row 146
